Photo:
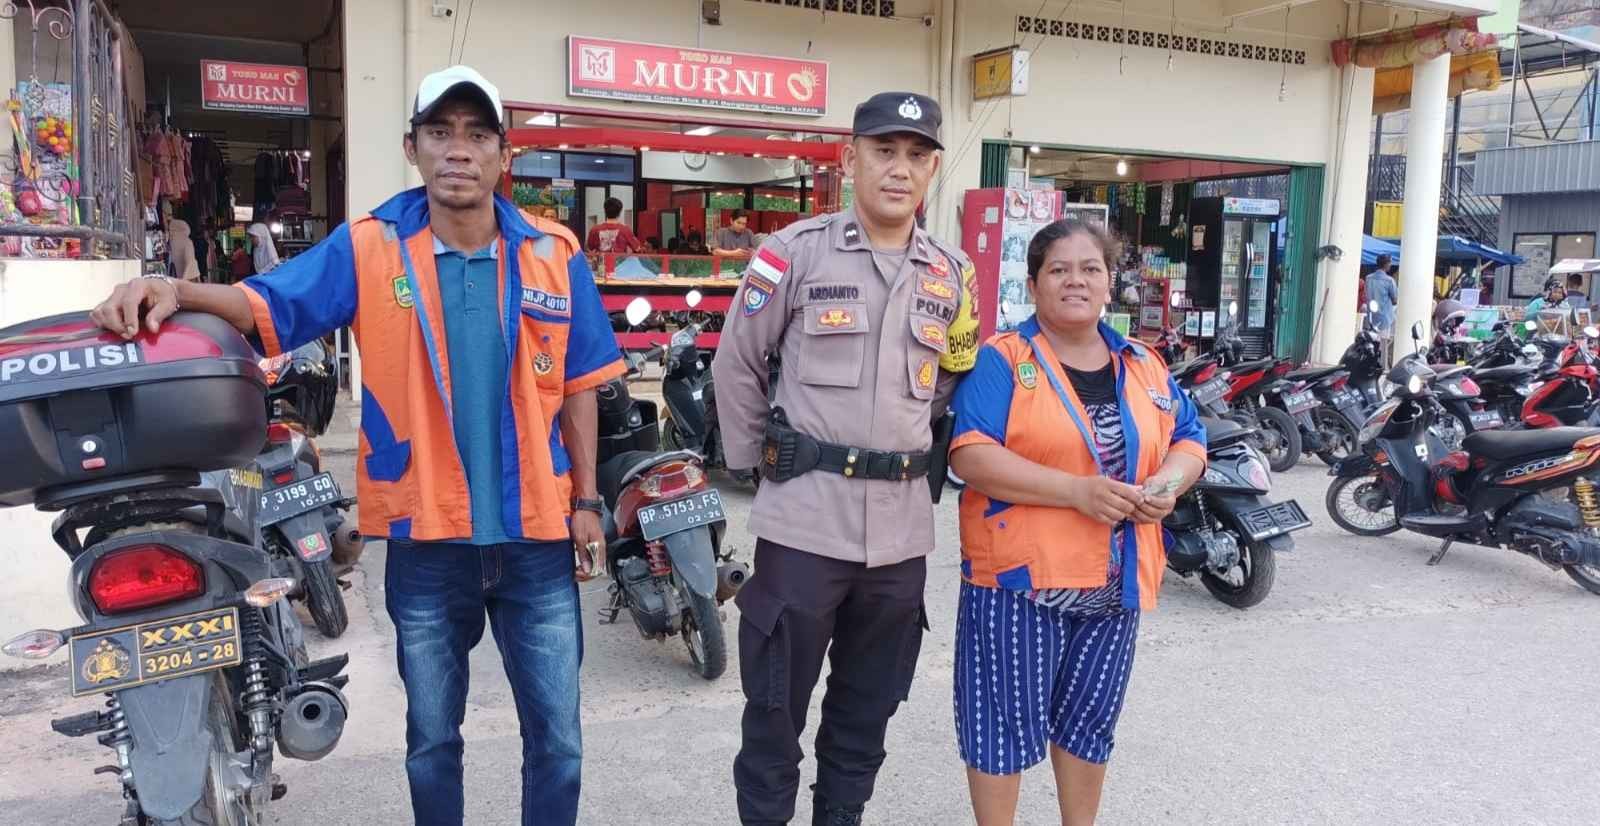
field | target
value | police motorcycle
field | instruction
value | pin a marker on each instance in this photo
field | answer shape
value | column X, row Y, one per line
column 292, row 508
column 1224, row 528
column 690, row 420
column 663, row 527
column 1532, row 491
column 187, row 633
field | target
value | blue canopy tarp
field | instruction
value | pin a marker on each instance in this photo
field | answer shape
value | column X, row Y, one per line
column 1451, row 248
column 1371, row 248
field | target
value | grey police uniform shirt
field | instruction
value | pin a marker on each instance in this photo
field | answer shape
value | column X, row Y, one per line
column 860, row 367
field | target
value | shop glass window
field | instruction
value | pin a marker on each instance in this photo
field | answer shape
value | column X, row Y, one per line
column 1574, row 246
column 536, row 165
column 584, row 166
column 1527, row 278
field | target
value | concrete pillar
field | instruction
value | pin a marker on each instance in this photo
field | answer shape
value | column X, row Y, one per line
column 1419, row 241
column 8, row 72
column 1338, row 315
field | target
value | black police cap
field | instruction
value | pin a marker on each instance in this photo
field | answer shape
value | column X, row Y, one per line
column 891, row 112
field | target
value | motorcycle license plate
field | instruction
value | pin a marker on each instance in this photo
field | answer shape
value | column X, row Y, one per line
column 1274, row 520
column 692, row 511
column 1300, row 402
column 1346, row 397
column 296, row 498
column 1486, row 419
column 154, row 651
column 1210, row 391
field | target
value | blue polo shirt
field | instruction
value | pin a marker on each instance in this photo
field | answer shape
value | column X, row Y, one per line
column 469, row 292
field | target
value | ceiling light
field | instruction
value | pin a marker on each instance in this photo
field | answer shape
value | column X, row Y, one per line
column 1034, row 149
column 822, row 168
column 644, row 149
column 562, row 146
column 547, row 157
column 758, row 154
column 1122, row 167
column 792, row 157
column 702, row 131
column 720, row 154
column 546, row 119
column 599, row 160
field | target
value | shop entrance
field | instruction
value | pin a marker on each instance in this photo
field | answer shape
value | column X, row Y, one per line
column 1206, row 242
column 677, row 183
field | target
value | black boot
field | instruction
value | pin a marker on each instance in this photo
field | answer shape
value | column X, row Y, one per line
column 825, row 814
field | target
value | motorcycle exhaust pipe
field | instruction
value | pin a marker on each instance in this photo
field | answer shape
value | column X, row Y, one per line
column 731, row 576
column 347, row 546
column 312, row 722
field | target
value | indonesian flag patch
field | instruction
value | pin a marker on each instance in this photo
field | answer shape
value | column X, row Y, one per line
column 768, row 266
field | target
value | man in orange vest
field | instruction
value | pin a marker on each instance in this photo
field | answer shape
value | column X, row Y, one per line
column 485, row 340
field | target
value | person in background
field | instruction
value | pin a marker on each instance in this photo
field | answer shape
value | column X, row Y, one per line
column 478, row 432
column 265, row 253
column 695, row 244
column 736, row 238
column 611, row 235
column 1074, row 442
column 652, row 244
column 1577, row 296
column 1381, row 287
column 180, row 251
column 1554, row 296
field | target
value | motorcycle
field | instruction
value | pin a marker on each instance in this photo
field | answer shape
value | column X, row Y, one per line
column 1223, row 528
column 297, row 510
column 1568, row 394
column 1338, row 416
column 687, row 387
column 187, row 632
column 1248, row 384
column 663, row 527
column 1530, row 491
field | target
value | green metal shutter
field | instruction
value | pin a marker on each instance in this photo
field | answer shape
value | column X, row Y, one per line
column 1298, row 298
column 994, row 164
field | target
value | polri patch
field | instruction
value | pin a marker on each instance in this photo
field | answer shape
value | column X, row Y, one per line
column 534, row 298
column 402, row 293
column 756, row 296
column 1027, row 375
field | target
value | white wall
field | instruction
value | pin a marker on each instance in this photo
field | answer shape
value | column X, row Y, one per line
column 33, row 593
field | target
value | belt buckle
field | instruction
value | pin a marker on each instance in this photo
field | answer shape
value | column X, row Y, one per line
column 887, row 465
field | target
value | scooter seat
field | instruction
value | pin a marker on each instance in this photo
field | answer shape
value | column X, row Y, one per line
column 1221, row 432
column 1513, row 444
column 1446, row 371
column 615, row 473
column 1508, row 374
column 1252, row 366
column 1312, row 373
column 1184, row 369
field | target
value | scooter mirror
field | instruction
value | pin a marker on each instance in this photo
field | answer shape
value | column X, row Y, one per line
column 693, row 299
column 1416, row 331
column 1372, row 306
column 638, row 310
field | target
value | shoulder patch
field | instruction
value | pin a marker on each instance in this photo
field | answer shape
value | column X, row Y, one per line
column 768, row 265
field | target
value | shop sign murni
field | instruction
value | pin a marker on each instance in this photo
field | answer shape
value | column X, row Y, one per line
column 254, row 87
column 680, row 76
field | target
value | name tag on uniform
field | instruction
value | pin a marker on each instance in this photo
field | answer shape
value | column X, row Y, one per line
column 537, row 299
column 1161, row 400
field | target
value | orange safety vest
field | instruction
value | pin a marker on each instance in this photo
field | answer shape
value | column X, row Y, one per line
column 378, row 276
column 1019, row 386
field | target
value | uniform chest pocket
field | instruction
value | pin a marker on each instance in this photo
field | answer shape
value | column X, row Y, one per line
column 545, row 338
column 833, row 343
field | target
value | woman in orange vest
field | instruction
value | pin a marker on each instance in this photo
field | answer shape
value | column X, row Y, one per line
column 1074, row 442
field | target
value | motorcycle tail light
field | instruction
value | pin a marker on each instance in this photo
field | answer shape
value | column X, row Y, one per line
column 673, row 479
column 283, row 477
column 279, row 433
column 1340, row 382
column 1205, row 374
column 1470, row 386
column 140, row 576
column 1256, row 474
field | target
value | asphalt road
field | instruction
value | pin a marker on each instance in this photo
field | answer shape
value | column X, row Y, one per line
column 1367, row 689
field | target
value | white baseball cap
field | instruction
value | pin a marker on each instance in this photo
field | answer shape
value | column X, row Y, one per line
column 439, row 85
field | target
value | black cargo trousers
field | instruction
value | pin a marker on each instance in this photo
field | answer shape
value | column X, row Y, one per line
column 797, row 608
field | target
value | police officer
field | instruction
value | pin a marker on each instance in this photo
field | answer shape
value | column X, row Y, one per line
column 873, row 322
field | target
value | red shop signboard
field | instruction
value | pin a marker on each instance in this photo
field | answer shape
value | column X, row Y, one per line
column 254, row 87
column 651, row 73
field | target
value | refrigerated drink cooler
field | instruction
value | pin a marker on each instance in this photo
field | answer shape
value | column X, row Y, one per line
column 1233, row 257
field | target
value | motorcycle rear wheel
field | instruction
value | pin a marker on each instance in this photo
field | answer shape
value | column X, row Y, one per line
column 1381, row 522
column 326, row 599
column 1281, row 438
column 1587, row 576
column 217, row 805
column 1256, row 570
column 1338, row 434
column 670, row 438
column 703, row 635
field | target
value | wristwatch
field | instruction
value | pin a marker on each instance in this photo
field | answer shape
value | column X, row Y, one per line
column 595, row 505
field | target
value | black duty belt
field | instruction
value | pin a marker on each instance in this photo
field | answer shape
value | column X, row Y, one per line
column 789, row 453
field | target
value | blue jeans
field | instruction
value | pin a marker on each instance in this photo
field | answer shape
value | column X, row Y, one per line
column 438, row 595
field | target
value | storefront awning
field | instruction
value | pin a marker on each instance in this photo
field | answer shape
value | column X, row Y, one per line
column 815, row 152
column 1371, row 248
column 1451, row 248
column 1391, row 88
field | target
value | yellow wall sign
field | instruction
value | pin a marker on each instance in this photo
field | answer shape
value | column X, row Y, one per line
column 1000, row 73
